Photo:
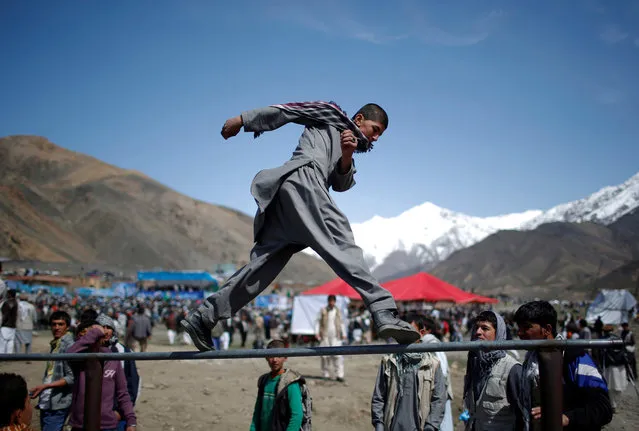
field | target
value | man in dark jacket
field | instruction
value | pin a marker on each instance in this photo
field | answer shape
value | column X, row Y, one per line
column 9, row 319
column 585, row 401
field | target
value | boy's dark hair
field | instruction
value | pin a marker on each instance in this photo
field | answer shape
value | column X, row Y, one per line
column 374, row 112
column 539, row 312
column 332, row 298
column 60, row 315
column 84, row 325
column 416, row 318
column 11, row 293
column 487, row 316
column 422, row 322
column 88, row 315
column 12, row 396
column 276, row 344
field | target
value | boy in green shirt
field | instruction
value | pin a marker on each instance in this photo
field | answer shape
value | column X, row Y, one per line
column 278, row 406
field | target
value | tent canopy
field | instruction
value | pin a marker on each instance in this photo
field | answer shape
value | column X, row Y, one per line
column 614, row 307
column 416, row 287
column 425, row 287
column 337, row 287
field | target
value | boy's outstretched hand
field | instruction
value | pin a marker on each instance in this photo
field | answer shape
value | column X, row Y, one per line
column 232, row 127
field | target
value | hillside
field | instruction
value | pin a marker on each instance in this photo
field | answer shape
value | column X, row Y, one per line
column 60, row 206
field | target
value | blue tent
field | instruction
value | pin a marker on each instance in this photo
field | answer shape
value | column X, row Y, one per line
column 188, row 278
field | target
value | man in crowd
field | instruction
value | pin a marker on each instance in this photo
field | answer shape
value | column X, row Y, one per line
column 629, row 338
column 170, row 320
column 584, row 330
column 114, row 387
column 428, row 328
column 492, row 381
column 141, row 329
column 24, row 327
column 410, row 391
column 614, row 363
column 9, row 318
column 585, row 396
column 329, row 330
column 133, row 380
column 56, row 389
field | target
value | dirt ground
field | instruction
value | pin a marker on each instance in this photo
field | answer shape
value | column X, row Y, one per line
column 220, row 394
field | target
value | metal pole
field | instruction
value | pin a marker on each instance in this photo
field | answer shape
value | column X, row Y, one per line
column 93, row 393
column 371, row 349
column 551, row 387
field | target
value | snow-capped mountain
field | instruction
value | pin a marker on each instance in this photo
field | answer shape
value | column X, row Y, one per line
column 604, row 207
column 430, row 233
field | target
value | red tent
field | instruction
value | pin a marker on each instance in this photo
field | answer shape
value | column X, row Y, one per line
column 417, row 287
column 425, row 287
column 334, row 287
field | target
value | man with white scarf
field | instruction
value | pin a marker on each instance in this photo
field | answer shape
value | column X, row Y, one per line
column 491, row 384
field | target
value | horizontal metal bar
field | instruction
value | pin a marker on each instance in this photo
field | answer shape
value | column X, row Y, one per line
column 371, row 349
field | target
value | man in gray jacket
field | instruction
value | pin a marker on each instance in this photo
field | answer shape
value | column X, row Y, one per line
column 296, row 211
column 56, row 390
column 410, row 392
column 142, row 328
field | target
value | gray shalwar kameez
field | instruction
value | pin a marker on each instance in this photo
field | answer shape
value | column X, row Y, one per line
column 295, row 211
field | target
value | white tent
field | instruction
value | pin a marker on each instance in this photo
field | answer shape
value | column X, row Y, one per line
column 614, row 307
column 306, row 309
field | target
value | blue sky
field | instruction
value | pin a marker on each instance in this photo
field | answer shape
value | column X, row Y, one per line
column 495, row 106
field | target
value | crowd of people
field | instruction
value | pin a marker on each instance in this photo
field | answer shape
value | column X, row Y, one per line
column 412, row 390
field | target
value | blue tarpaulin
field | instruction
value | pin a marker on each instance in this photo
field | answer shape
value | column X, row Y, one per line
column 35, row 288
column 190, row 278
column 200, row 294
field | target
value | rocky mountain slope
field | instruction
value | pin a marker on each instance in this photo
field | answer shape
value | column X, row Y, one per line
column 425, row 235
column 577, row 257
column 58, row 205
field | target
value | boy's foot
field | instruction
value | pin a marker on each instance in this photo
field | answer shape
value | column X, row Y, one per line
column 390, row 326
column 199, row 333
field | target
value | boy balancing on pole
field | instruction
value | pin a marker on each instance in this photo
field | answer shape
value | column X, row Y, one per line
column 295, row 211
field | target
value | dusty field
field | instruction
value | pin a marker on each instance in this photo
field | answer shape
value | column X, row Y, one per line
column 220, row 394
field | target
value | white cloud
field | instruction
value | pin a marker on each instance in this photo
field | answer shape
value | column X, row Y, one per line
column 612, row 34
column 333, row 18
